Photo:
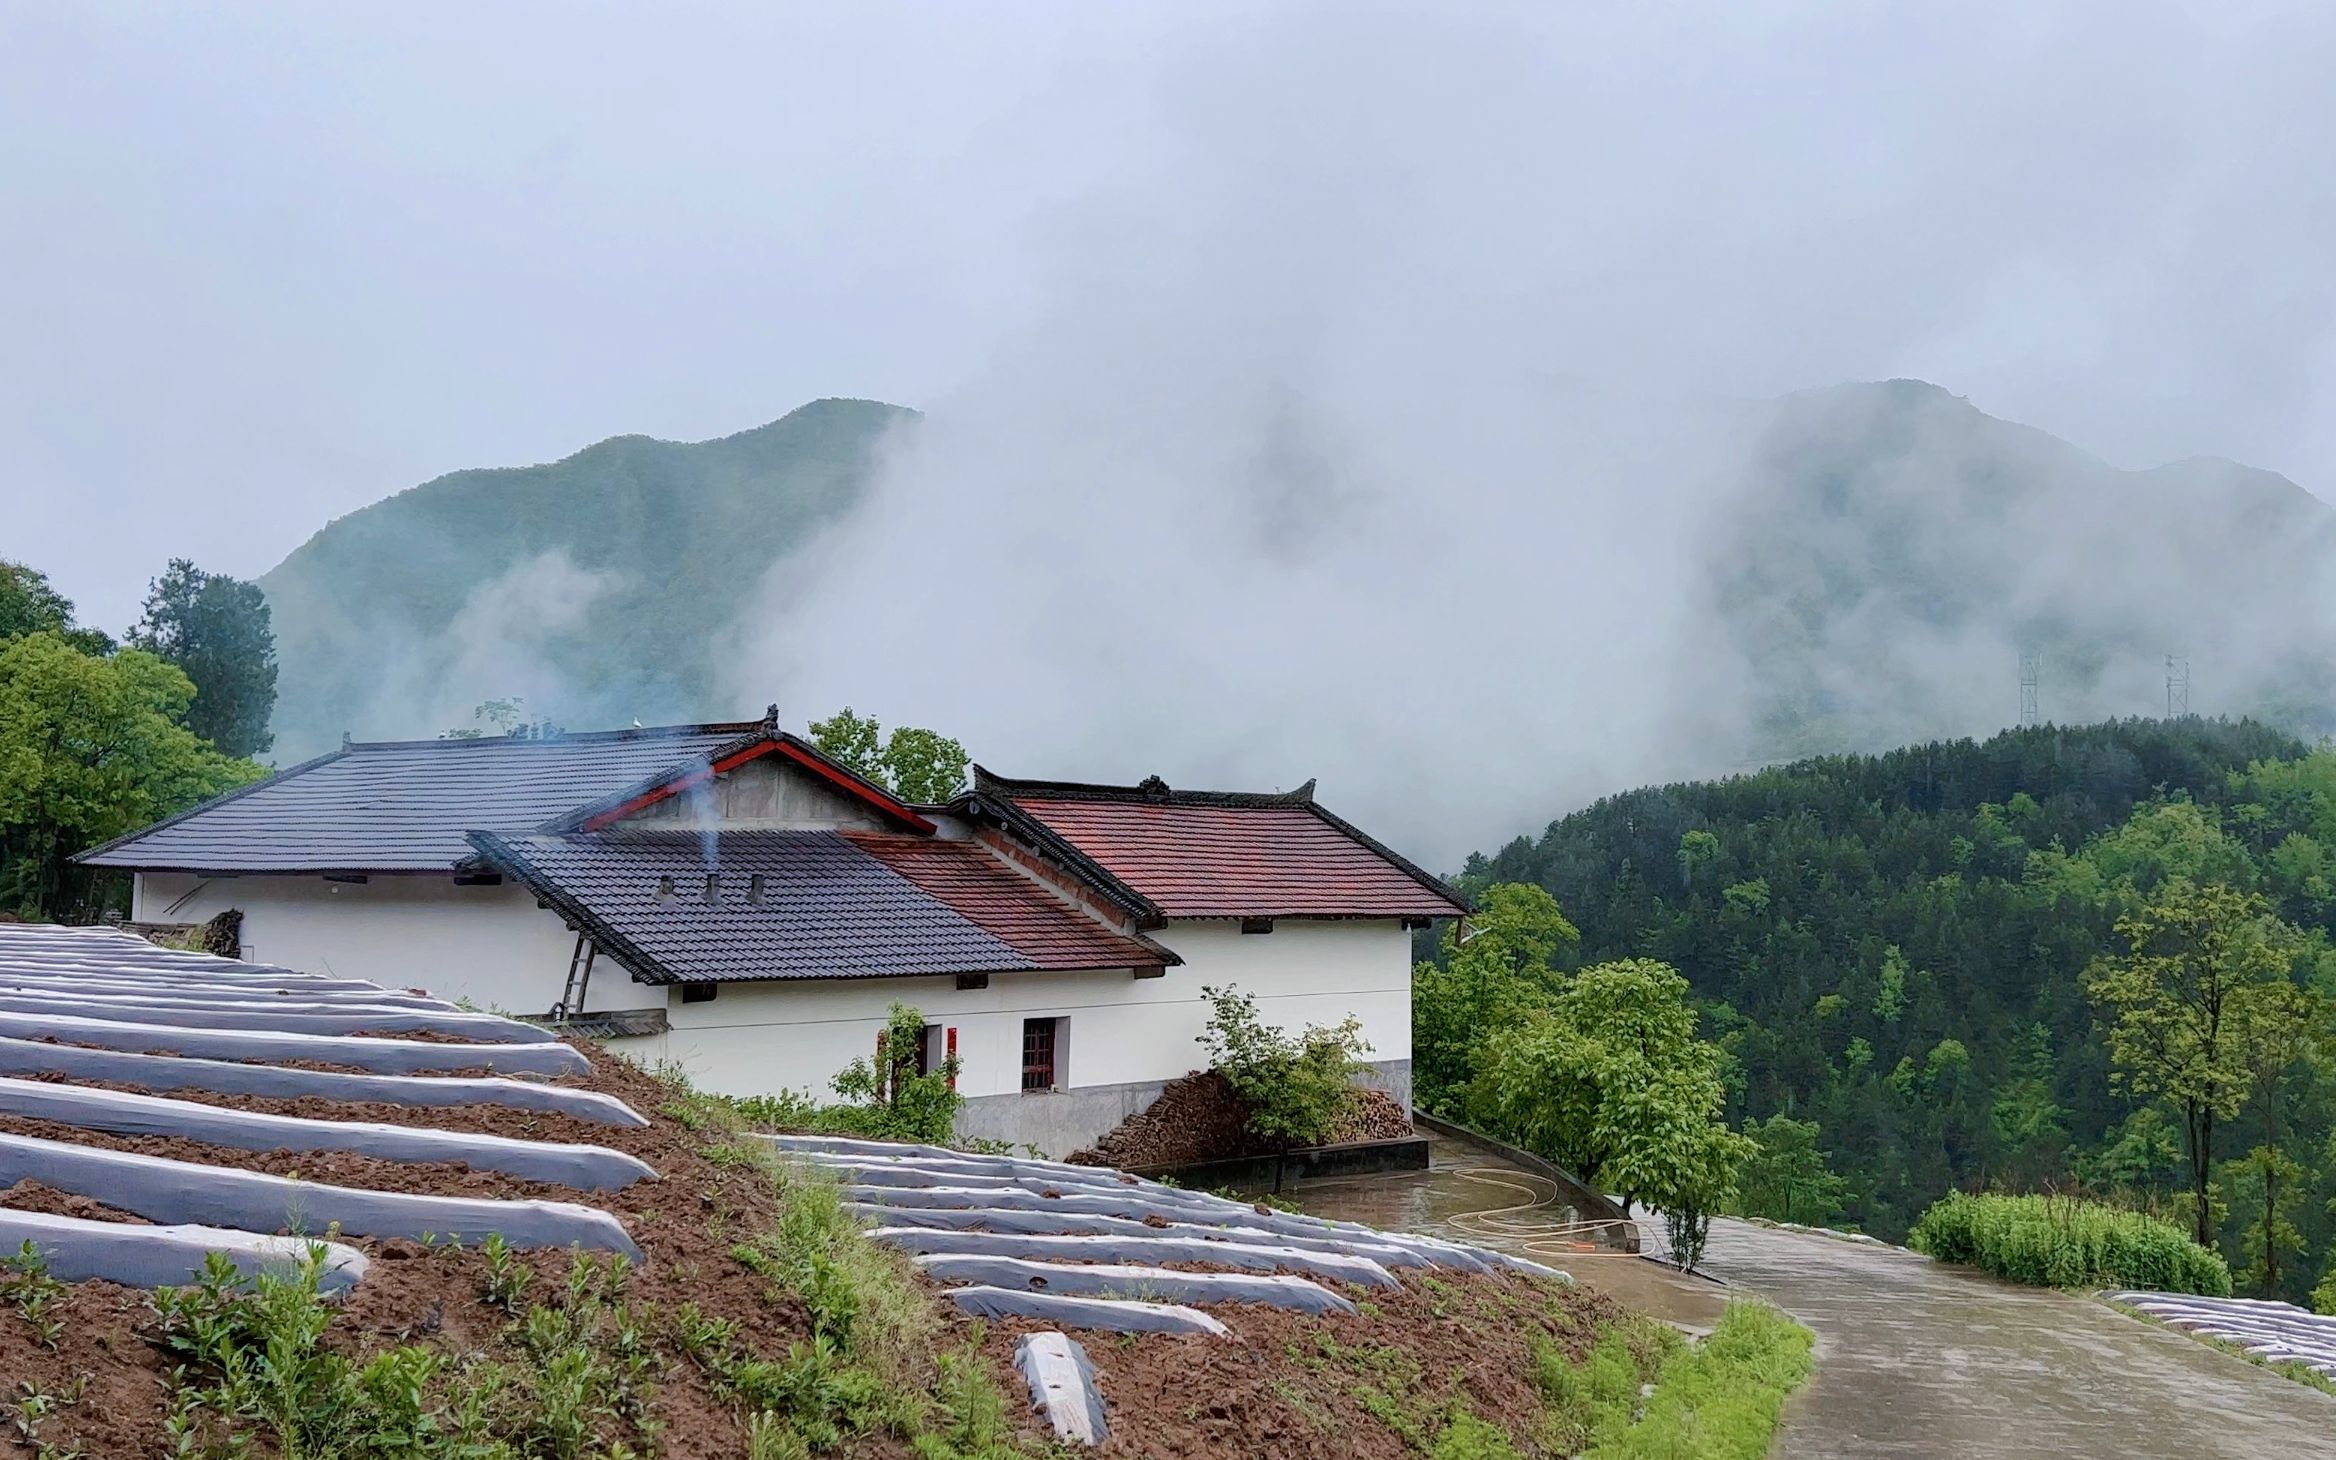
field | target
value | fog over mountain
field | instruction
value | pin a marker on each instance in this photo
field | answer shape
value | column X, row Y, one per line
column 1307, row 388
column 1460, row 620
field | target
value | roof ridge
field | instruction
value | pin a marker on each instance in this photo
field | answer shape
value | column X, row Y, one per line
column 1152, row 790
column 564, row 737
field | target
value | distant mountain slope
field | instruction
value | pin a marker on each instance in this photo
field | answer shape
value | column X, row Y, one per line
column 1888, row 550
column 596, row 586
column 1863, row 570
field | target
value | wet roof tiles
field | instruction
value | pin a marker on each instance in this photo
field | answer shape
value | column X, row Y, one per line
column 1195, row 860
column 406, row 805
column 830, row 905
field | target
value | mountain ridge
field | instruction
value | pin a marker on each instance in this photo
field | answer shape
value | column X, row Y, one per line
column 1869, row 568
column 563, row 582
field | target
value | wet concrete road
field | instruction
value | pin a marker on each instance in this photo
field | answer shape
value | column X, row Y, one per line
column 1917, row 1358
column 1914, row 1358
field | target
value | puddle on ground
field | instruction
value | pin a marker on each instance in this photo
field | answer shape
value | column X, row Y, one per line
column 1914, row 1359
column 1469, row 1193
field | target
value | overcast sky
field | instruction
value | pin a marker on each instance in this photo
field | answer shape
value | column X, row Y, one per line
column 261, row 265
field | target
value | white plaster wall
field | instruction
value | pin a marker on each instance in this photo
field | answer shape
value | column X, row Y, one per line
column 757, row 1038
column 491, row 945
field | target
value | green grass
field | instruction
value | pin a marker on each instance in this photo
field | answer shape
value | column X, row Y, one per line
column 1715, row 1400
column 873, row 1362
column 2063, row 1242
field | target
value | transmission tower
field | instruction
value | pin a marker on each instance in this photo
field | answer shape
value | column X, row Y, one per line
column 2177, row 685
column 2031, row 670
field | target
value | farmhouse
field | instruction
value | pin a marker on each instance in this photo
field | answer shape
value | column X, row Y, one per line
column 726, row 897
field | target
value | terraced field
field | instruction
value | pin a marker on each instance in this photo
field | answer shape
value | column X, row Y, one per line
column 262, row 1212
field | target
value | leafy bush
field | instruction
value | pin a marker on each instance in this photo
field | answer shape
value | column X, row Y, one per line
column 2062, row 1242
column 890, row 1104
column 1294, row 1087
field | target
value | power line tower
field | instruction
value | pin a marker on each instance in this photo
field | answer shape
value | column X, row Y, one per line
column 2177, row 686
column 2031, row 671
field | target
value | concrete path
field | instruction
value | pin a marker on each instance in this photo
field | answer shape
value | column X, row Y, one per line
column 1914, row 1358
column 1917, row 1358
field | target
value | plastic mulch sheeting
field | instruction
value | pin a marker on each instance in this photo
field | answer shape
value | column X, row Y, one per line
column 163, row 1190
column 1137, row 1206
column 2265, row 1327
column 1124, row 1280
column 76, row 1250
column 231, row 1077
column 1151, row 1246
column 288, row 1017
column 1105, row 1314
column 1062, row 1386
column 188, row 991
column 376, row 1056
column 584, row 1167
column 1387, row 1252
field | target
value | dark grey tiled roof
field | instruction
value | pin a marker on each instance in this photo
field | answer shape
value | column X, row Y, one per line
column 829, row 908
column 404, row 806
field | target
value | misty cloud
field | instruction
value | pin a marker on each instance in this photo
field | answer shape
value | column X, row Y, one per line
column 504, row 642
column 1314, row 388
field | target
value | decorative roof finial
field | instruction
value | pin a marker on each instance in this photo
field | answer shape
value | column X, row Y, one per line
column 1153, row 787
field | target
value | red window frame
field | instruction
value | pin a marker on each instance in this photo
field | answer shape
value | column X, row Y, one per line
column 1041, row 1038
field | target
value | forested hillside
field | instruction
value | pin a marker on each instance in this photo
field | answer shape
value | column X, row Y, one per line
column 1881, row 554
column 1905, row 949
column 597, row 588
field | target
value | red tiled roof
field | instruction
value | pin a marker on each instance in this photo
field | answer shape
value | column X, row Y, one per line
column 1001, row 902
column 1238, row 861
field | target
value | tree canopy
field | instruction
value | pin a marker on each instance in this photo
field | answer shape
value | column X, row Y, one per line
column 1948, row 960
column 30, row 605
column 217, row 630
column 917, row 765
column 90, row 747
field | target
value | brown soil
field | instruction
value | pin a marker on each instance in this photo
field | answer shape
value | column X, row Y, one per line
column 1199, row 1118
column 31, row 1196
column 1288, row 1384
column 1285, row 1384
column 686, row 1223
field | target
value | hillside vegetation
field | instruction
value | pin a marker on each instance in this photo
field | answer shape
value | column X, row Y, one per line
column 600, row 588
column 1912, row 952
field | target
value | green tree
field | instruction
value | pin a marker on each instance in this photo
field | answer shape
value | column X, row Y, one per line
column 2201, row 961
column 1612, row 1083
column 1786, row 1176
column 915, row 764
column 498, row 717
column 29, row 605
column 215, row 628
column 2268, row 1183
column 924, row 766
column 1493, row 966
column 90, row 748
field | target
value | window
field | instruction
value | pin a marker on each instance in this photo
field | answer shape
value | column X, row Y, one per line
column 1038, row 1053
column 699, row 993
